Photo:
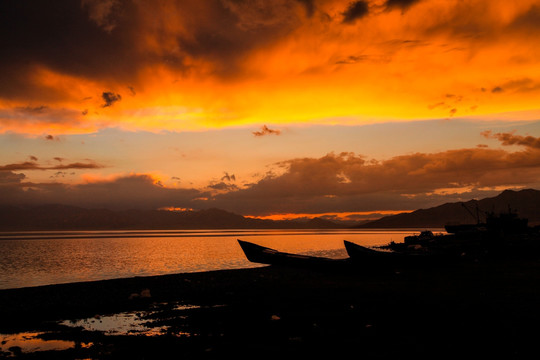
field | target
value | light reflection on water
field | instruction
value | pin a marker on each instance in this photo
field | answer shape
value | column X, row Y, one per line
column 128, row 323
column 133, row 323
column 27, row 342
column 41, row 258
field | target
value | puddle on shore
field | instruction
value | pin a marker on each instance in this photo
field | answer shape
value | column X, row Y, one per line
column 31, row 342
column 120, row 324
column 128, row 323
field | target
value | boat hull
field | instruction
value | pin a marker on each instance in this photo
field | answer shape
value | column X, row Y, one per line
column 365, row 256
column 264, row 255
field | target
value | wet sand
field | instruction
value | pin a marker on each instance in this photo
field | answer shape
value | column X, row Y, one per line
column 465, row 310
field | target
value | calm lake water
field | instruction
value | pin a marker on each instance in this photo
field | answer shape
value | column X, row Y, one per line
column 42, row 258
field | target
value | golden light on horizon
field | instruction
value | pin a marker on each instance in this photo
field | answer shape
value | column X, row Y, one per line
column 367, row 215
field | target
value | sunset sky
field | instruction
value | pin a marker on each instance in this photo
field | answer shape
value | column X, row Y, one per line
column 266, row 108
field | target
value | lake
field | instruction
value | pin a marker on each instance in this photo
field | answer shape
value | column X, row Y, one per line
column 42, row 258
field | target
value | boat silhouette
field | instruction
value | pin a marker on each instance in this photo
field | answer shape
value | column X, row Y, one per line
column 264, row 255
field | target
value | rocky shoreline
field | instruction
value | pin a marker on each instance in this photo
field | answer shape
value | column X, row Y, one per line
column 470, row 309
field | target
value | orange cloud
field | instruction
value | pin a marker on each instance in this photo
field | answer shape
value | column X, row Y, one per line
column 511, row 139
column 123, row 192
column 349, row 182
column 224, row 63
column 32, row 165
column 334, row 183
column 406, row 174
column 265, row 130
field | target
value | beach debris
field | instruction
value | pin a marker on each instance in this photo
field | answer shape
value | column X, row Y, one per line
column 144, row 294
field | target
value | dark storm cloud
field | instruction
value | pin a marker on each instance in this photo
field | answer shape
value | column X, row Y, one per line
column 102, row 12
column 402, row 4
column 110, row 98
column 354, row 11
column 231, row 29
column 309, row 6
column 60, row 35
column 112, row 40
column 474, row 21
column 528, row 22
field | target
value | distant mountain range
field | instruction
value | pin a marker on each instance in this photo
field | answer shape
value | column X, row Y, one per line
column 62, row 217
column 525, row 202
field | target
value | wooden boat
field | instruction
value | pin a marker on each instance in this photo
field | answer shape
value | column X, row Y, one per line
column 365, row 256
column 360, row 257
column 264, row 255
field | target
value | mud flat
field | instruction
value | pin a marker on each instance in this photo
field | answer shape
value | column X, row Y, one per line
column 465, row 310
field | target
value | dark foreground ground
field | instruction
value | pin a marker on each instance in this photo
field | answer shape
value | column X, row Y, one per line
column 462, row 311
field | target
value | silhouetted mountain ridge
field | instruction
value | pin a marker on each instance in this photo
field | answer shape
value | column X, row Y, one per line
column 525, row 202
column 62, row 217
